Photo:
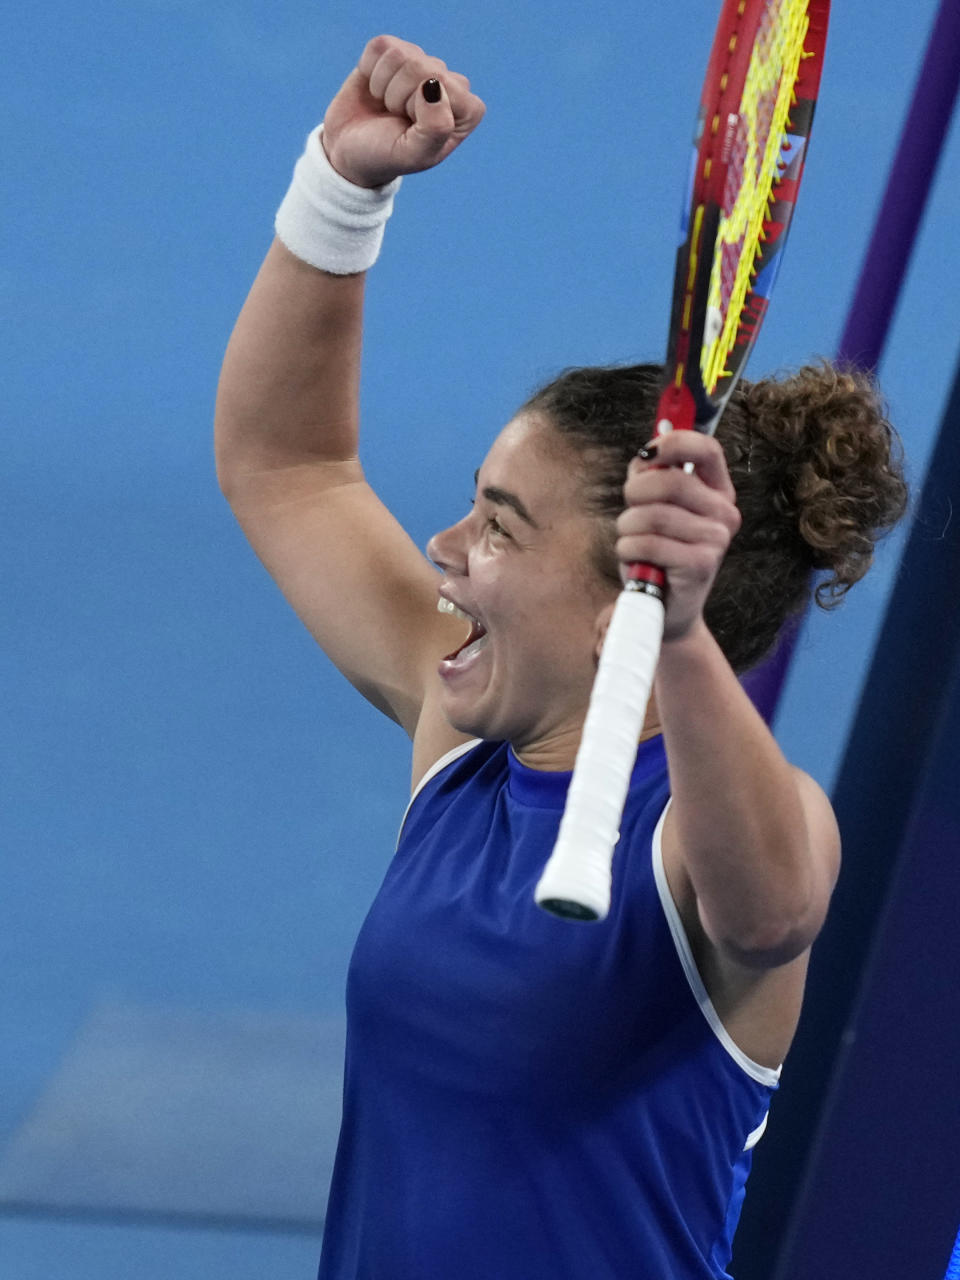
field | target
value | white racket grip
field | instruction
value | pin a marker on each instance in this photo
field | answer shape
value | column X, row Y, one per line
column 576, row 880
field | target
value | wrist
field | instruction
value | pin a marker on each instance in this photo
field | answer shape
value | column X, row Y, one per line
column 693, row 643
column 328, row 221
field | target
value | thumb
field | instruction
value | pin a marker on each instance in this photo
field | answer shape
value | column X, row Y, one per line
column 430, row 136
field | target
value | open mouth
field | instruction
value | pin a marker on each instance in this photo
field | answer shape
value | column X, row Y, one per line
column 475, row 638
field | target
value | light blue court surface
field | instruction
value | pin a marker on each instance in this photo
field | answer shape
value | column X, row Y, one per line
column 194, row 813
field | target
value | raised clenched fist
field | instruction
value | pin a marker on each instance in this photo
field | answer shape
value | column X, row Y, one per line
column 399, row 111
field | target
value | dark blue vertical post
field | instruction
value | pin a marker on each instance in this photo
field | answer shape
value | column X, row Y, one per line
column 892, row 739
column 872, row 1077
column 781, row 1161
column 882, row 1191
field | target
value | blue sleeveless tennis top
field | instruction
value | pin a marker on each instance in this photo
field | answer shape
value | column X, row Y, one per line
column 528, row 1098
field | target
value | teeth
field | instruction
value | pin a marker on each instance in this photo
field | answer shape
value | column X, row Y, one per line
column 447, row 606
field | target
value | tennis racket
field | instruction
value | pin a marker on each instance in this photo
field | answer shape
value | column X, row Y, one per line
column 750, row 145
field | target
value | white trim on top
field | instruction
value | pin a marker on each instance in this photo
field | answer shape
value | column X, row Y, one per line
column 763, row 1075
column 754, row 1138
column 447, row 758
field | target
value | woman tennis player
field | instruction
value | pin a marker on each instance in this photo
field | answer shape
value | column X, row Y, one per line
column 527, row 1098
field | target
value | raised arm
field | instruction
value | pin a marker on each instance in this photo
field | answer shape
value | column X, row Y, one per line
column 755, row 836
column 750, row 845
column 287, row 406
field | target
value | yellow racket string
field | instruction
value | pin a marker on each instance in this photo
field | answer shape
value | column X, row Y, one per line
column 768, row 95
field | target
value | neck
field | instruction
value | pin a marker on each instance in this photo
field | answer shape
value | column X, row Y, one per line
column 557, row 753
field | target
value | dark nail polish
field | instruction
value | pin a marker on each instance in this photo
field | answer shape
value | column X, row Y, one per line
column 432, row 91
column 648, row 452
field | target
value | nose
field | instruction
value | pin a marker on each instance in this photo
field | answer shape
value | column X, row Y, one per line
column 447, row 549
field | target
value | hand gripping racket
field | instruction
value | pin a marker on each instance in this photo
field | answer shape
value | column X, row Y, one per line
column 752, row 130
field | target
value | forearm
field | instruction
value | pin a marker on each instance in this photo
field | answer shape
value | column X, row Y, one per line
column 739, row 817
column 288, row 389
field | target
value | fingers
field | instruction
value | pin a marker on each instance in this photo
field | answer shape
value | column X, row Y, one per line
column 652, row 488
column 670, row 520
column 396, row 70
column 396, row 73
column 387, row 119
column 675, row 517
column 680, row 449
column 685, row 471
column 463, row 109
column 673, row 540
column 647, row 485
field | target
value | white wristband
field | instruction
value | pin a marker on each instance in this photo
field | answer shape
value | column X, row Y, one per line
column 329, row 222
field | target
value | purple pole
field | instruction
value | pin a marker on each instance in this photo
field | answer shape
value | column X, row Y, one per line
column 906, row 195
column 881, row 277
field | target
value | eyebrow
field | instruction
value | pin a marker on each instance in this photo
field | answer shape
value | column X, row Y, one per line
column 503, row 497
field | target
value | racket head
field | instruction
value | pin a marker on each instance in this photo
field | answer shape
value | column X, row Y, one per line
column 753, row 128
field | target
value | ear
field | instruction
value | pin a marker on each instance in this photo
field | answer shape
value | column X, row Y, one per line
column 600, row 628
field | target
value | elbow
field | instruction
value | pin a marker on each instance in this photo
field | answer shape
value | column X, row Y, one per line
column 232, row 439
column 222, row 454
column 226, row 460
column 769, row 901
column 771, row 939
column 226, row 475
column 767, row 953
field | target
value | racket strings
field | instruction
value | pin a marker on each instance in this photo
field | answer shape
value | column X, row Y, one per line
column 758, row 159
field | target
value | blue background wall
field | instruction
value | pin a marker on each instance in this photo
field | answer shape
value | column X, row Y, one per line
column 194, row 812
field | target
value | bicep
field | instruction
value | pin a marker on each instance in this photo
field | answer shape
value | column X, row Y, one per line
column 353, row 576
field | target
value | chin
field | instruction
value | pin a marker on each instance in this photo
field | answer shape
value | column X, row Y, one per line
column 475, row 721
column 473, row 725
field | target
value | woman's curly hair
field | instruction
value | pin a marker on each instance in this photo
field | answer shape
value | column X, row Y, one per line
column 816, row 466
